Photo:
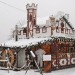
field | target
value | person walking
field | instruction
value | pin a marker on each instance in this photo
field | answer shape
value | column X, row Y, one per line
column 40, row 52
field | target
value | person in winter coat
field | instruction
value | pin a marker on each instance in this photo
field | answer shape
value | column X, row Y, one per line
column 40, row 52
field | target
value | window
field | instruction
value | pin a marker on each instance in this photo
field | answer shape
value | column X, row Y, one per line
column 44, row 29
column 19, row 32
column 62, row 27
column 30, row 17
column 66, row 31
column 62, row 30
column 34, row 22
column 57, row 29
column 37, row 30
column 24, row 31
column 62, row 24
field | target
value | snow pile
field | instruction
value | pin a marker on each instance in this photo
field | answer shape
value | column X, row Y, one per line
column 24, row 42
column 69, row 71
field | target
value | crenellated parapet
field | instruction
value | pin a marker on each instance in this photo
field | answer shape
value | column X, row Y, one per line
column 32, row 6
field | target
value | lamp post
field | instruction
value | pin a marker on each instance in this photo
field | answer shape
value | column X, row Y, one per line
column 16, row 33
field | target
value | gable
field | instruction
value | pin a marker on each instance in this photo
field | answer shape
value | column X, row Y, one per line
column 68, row 23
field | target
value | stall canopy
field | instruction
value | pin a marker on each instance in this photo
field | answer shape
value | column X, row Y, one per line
column 24, row 42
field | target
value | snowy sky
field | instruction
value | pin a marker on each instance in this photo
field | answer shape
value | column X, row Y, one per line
column 10, row 16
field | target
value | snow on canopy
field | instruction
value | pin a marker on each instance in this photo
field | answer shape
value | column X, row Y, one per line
column 24, row 42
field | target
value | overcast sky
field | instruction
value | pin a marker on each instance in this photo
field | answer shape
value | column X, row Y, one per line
column 10, row 16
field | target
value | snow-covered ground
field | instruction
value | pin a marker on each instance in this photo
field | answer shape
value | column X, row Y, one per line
column 69, row 71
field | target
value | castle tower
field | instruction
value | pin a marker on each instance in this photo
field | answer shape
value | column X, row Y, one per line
column 31, row 18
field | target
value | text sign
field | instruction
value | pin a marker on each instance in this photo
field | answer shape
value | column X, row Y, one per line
column 46, row 57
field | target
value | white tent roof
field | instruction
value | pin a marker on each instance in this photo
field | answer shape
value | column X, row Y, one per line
column 23, row 42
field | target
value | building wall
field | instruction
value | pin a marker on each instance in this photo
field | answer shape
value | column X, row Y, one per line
column 52, row 22
column 22, row 36
column 68, row 32
column 41, row 34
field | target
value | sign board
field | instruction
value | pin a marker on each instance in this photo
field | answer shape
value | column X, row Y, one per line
column 46, row 57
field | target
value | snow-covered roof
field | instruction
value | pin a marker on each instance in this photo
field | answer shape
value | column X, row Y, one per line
column 59, row 15
column 42, row 20
column 24, row 26
column 24, row 42
column 65, row 16
column 68, row 23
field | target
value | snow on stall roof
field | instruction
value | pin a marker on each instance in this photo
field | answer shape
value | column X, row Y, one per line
column 24, row 42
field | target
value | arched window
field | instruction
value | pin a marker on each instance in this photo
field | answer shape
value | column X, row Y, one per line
column 62, row 27
column 24, row 31
column 44, row 29
column 34, row 22
column 30, row 17
column 57, row 29
column 62, row 24
column 19, row 32
column 38, row 30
